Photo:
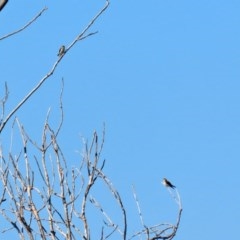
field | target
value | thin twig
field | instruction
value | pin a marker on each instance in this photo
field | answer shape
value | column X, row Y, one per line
column 138, row 206
column 3, row 102
column 24, row 27
column 81, row 35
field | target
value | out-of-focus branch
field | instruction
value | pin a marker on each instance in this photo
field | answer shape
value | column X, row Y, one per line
column 138, row 207
column 3, row 4
column 109, row 222
column 3, row 102
column 24, row 27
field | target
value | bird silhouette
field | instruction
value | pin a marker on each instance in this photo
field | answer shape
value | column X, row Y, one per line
column 167, row 183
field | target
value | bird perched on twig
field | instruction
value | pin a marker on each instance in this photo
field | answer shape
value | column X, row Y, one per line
column 61, row 51
column 166, row 183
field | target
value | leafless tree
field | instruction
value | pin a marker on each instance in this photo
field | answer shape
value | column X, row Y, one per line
column 42, row 196
column 48, row 199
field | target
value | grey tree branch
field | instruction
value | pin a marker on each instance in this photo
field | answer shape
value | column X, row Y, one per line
column 3, row 102
column 56, row 221
column 78, row 38
column 24, row 27
column 81, row 35
column 49, row 200
column 164, row 231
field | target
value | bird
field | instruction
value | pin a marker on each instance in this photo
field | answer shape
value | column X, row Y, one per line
column 166, row 183
column 61, row 51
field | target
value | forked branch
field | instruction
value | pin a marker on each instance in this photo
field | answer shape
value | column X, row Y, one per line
column 79, row 37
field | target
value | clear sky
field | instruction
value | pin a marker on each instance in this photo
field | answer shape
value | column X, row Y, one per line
column 164, row 78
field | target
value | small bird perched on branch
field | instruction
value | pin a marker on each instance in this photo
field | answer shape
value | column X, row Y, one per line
column 61, row 51
column 166, row 183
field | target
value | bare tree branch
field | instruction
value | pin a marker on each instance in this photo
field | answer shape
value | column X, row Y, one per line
column 43, row 196
column 78, row 38
column 58, row 188
column 3, row 102
column 138, row 206
column 81, row 35
column 164, row 231
column 2, row 4
column 24, row 27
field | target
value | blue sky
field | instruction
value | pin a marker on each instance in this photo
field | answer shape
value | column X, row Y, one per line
column 164, row 78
